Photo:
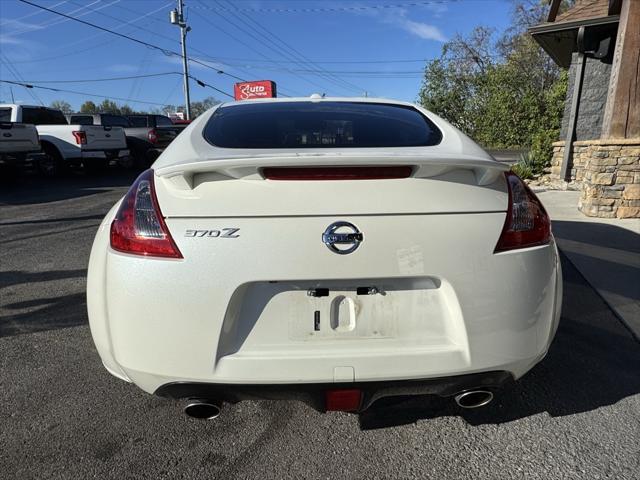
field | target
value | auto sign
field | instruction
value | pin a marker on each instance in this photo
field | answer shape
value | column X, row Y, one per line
column 255, row 89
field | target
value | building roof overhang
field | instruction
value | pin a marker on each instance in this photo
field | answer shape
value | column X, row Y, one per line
column 558, row 39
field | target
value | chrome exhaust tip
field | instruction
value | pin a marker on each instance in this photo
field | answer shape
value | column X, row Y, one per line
column 474, row 398
column 203, row 409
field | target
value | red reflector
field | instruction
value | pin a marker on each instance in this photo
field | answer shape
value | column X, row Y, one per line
column 336, row 173
column 343, row 400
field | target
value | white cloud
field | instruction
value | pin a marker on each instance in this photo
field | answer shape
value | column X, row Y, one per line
column 423, row 30
column 16, row 27
column 7, row 40
column 399, row 18
column 18, row 49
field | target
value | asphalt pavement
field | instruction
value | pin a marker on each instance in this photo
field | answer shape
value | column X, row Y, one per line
column 575, row 416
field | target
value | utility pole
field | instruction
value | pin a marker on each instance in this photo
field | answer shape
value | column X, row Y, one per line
column 177, row 18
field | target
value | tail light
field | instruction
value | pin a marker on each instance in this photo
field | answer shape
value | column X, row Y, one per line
column 152, row 135
column 527, row 222
column 336, row 173
column 139, row 227
column 80, row 136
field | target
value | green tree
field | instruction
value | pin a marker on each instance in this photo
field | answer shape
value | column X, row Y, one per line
column 126, row 110
column 108, row 106
column 88, row 107
column 503, row 92
column 198, row 108
column 453, row 84
column 65, row 107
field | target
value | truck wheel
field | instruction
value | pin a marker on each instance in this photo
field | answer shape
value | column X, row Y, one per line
column 50, row 162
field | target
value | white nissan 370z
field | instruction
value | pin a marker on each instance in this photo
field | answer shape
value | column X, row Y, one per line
column 329, row 250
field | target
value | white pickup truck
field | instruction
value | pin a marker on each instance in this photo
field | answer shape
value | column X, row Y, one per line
column 64, row 145
column 17, row 140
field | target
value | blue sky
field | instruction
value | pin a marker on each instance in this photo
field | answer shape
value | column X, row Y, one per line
column 273, row 40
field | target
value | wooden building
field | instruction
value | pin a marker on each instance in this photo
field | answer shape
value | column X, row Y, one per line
column 599, row 41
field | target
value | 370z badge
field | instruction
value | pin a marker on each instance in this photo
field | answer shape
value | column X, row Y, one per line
column 222, row 233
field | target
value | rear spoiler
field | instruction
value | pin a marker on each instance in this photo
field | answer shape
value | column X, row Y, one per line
column 182, row 176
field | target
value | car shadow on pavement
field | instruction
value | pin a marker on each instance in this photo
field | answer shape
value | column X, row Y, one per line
column 33, row 190
column 600, row 248
column 44, row 312
column 594, row 361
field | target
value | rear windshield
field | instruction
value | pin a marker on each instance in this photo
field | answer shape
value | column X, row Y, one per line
column 162, row 121
column 319, row 125
column 81, row 120
column 138, row 121
column 115, row 121
column 43, row 116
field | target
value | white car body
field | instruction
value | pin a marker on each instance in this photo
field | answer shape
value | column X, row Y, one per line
column 236, row 309
column 100, row 142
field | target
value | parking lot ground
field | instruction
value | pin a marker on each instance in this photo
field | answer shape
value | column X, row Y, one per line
column 575, row 416
column 605, row 250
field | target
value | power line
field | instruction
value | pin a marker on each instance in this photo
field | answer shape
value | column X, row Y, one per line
column 172, row 91
column 32, row 84
column 349, row 72
column 297, row 54
column 204, row 84
column 334, row 9
column 286, row 50
column 89, row 80
column 16, row 75
column 29, row 86
column 321, row 62
column 58, row 21
column 75, row 51
column 146, row 44
column 165, row 36
column 32, row 14
column 140, row 42
column 239, row 40
column 123, row 23
column 246, row 32
column 227, row 61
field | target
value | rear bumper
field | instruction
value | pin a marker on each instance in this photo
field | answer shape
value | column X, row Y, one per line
column 314, row 394
column 224, row 315
column 12, row 158
column 104, row 154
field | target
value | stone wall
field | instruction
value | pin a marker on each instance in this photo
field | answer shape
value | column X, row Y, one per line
column 609, row 174
column 580, row 155
column 593, row 97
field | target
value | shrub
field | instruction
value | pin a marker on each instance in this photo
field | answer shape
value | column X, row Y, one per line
column 525, row 166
